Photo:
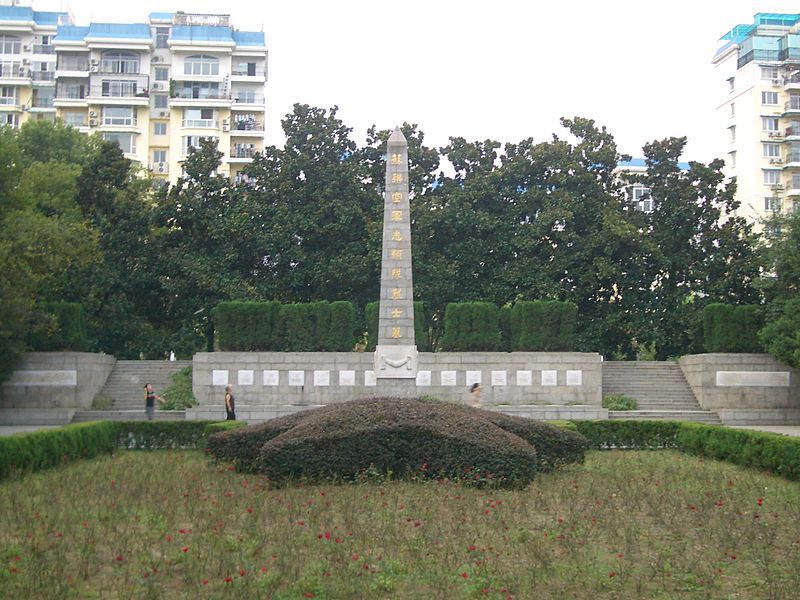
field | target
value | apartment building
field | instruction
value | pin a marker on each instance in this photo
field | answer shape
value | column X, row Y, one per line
column 757, row 70
column 155, row 88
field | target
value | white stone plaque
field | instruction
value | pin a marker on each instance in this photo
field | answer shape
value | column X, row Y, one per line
column 549, row 378
column 272, row 378
column 369, row 379
column 245, row 377
column 423, row 378
column 753, row 378
column 574, row 377
column 297, row 378
column 347, row 377
column 322, row 378
column 524, row 378
column 499, row 378
column 473, row 377
column 448, row 377
column 66, row 378
column 219, row 377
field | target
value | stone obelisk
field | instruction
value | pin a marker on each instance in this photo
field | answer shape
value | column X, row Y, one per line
column 396, row 352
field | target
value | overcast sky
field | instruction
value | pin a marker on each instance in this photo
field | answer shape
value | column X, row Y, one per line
column 504, row 69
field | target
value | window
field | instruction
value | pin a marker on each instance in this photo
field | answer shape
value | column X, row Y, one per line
column 162, row 37
column 730, row 81
column 76, row 119
column 119, row 89
column 199, row 117
column 642, row 199
column 9, row 44
column 244, row 68
column 72, row 91
column 8, row 95
column 43, row 97
column 159, row 128
column 119, row 115
column 159, row 156
column 193, row 141
column 201, row 65
column 796, row 182
column 200, row 89
column 162, row 73
column 769, row 98
column 771, row 177
column 769, row 73
column 771, row 150
column 120, row 62
column 772, row 203
column 243, row 150
column 733, row 159
column 769, row 123
column 733, row 109
column 126, row 141
column 245, row 96
column 8, row 119
column 160, row 100
column 732, row 132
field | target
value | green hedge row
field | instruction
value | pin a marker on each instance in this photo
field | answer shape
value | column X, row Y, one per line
column 728, row 328
column 542, row 326
column 755, row 449
column 69, row 333
column 471, row 326
column 372, row 314
column 272, row 326
column 30, row 452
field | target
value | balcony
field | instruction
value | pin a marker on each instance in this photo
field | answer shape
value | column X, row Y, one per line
column 793, row 159
column 15, row 73
column 200, row 123
column 793, row 131
column 43, row 49
column 792, row 106
column 72, row 68
column 243, row 152
column 247, row 128
column 195, row 98
column 43, row 76
column 70, row 95
column 249, row 100
column 127, row 90
column 11, row 101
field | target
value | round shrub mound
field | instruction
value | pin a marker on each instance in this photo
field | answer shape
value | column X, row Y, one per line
column 399, row 436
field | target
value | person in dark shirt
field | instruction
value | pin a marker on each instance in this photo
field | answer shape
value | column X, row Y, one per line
column 150, row 398
column 230, row 404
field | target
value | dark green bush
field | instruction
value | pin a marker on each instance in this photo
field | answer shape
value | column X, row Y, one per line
column 161, row 435
column 504, row 321
column 28, row 452
column 543, row 326
column 222, row 426
column 471, row 326
column 396, row 435
column 68, row 332
column 619, row 402
column 728, row 328
column 246, row 326
column 341, row 335
column 781, row 336
column 630, row 435
column 296, row 328
column 321, row 315
column 179, row 395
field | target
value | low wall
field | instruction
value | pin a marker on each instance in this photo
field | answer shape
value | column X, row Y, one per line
column 270, row 382
column 48, row 387
column 744, row 388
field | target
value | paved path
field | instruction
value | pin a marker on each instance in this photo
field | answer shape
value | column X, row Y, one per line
column 12, row 429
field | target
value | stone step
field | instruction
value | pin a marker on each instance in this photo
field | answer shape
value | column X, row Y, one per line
column 84, row 416
column 125, row 384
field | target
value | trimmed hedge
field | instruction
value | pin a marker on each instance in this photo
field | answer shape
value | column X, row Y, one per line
column 543, row 326
column 399, row 436
column 471, row 326
column 70, row 331
column 619, row 402
column 25, row 453
column 754, row 449
column 372, row 314
column 728, row 328
column 272, row 326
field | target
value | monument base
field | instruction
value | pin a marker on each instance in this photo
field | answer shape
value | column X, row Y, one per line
column 396, row 362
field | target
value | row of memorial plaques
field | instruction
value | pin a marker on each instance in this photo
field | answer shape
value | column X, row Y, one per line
column 322, row 378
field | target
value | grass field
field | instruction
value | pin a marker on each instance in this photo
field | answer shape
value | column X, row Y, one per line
column 623, row 525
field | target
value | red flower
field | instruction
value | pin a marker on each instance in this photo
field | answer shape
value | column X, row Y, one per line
column 119, row 558
column 760, row 502
column 327, row 535
column 471, row 548
column 229, row 579
column 205, row 581
column 355, row 556
column 308, row 595
column 465, row 575
column 612, row 574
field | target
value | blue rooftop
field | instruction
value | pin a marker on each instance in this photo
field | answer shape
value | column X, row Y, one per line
column 249, row 38
column 71, row 33
column 201, row 33
column 641, row 163
column 26, row 13
column 120, row 30
column 160, row 16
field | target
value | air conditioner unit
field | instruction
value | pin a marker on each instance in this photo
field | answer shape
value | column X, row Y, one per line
column 775, row 161
column 94, row 70
column 156, row 59
column 26, row 48
column 22, row 71
column 94, row 62
column 776, row 82
column 92, row 113
column 226, row 127
column 156, row 86
column 163, row 113
column 161, row 167
column 25, row 61
column 92, row 122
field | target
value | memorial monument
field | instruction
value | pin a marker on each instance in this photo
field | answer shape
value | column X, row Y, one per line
column 396, row 355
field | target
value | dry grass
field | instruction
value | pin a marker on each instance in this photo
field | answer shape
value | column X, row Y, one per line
column 623, row 525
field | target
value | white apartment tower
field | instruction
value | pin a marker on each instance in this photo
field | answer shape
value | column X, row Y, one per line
column 758, row 73
column 156, row 88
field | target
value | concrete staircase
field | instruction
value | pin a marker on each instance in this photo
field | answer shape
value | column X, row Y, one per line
column 660, row 389
column 125, row 385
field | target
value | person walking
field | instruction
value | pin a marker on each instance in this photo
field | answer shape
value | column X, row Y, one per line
column 150, row 398
column 230, row 404
column 475, row 392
